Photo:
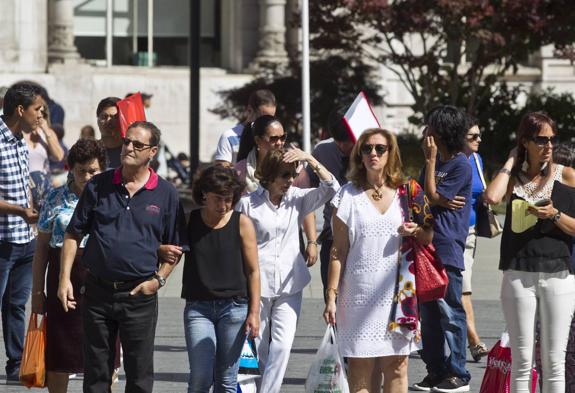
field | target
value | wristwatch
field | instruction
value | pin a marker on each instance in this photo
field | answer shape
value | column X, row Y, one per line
column 161, row 280
column 556, row 217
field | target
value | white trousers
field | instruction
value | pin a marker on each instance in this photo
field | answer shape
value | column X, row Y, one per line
column 278, row 323
column 549, row 297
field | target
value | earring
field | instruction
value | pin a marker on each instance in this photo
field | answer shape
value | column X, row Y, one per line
column 525, row 164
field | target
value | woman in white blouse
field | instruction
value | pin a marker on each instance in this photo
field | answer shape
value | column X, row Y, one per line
column 277, row 210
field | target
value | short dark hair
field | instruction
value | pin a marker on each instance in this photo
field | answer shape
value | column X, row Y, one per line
column 22, row 93
column 220, row 180
column 271, row 166
column 450, row 125
column 472, row 121
column 261, row 97
column 85, row 150
column 336, row 126
column 155, row 133
column 106, row 103
column 564, row 154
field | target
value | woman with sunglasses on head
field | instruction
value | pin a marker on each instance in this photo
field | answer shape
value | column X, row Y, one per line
column 369, row 222
column 266, row 133
column 536, row 251
column 277, row 210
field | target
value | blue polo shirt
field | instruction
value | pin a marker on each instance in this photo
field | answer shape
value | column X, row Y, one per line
column 451, row 227
column 126, row 232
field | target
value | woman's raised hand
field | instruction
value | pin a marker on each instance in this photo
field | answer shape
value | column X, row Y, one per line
column 294, row 154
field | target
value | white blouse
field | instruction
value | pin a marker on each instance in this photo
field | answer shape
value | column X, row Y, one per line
column 283, row 270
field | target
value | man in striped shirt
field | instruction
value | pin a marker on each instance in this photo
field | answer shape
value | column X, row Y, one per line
column 23, row 107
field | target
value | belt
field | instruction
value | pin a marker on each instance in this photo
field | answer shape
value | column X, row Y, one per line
column 117, row 285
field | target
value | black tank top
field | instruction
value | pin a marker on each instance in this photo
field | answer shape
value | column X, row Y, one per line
column 543, row 247
column 214, row 266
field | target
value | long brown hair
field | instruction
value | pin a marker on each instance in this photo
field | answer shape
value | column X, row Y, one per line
column 531, row 124
column 392, row 172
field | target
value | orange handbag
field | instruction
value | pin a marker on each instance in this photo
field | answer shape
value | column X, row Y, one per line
column 33, row 366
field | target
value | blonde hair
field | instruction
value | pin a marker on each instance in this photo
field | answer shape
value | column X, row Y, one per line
column 392, row 172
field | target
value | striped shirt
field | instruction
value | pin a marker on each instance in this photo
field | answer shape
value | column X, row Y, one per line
column 14, row 185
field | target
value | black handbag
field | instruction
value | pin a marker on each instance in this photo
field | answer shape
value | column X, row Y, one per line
column 486, row 224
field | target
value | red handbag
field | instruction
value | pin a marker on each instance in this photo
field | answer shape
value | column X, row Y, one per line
column 430, row 275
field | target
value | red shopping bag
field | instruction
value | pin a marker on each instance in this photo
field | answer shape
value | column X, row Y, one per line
column 497, row 377
column 130, row 110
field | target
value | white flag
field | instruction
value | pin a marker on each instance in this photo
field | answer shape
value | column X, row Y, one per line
column 359, row 117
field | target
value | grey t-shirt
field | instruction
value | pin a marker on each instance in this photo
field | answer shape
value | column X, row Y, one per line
column 329, row 155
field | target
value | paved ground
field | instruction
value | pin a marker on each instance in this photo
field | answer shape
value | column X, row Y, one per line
column 171, row 362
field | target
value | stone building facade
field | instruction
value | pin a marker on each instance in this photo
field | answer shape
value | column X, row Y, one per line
column 60, row 43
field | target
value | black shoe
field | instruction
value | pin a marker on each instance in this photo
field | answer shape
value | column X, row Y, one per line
column 452, row 384
column 427, row 384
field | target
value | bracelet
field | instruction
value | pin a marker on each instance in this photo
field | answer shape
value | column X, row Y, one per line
column 334, row 290
column 316, row 168
column 39, row 293
column 312, row 242
column 505, row 170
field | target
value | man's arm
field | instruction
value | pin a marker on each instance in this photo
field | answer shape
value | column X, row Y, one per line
column 27, row 213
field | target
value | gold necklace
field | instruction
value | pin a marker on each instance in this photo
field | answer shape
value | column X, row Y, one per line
column 377, row 192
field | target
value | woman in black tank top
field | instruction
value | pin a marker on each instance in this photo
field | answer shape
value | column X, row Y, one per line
column 535, row 252
column 221, row 282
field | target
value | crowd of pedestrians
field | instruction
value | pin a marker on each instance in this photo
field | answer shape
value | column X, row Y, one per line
column 93, row 251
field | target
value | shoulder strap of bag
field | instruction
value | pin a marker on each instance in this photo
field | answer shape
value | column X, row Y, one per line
column 480, row 170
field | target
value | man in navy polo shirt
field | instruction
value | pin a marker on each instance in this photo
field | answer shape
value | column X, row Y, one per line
column 447, row 183
column 127, row 213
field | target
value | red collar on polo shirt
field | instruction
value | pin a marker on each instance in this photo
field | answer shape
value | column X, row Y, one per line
column 150, row 184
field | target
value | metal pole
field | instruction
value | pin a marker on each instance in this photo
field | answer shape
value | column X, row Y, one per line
column 150, row 32
column 194, row 87
column 135, row 26
column 109, row 31
column 305, row 76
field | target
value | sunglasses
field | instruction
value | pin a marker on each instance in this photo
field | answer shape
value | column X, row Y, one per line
column 104, row 117
column 275, row 139
column 137, row 144
column 544, row 140
column 379, row 149
column 473, row 137
column 287, row 174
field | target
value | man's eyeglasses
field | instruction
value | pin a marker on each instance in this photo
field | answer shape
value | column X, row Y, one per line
column 474, row 137
column 287, row 174
column 137, row 144
column 276, row 138
column 104, row 117
column 380, row 149
column 544, row 140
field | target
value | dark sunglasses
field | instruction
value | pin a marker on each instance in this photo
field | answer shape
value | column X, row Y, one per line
column 379, row 149
column 473, row 137
column 544, row 140
column 275, row 139
column 137, row 144
column 287, row 174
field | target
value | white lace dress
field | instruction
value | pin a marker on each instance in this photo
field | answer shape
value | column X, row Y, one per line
column 368, row 281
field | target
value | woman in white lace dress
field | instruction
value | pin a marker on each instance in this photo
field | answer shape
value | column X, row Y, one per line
column 368, row 225
column 536, row 252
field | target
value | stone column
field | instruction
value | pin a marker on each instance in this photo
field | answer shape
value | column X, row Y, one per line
column 293, row 29
column 272, row 33
column 61, row 48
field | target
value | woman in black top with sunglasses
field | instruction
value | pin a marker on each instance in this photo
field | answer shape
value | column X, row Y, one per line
column 535, row 252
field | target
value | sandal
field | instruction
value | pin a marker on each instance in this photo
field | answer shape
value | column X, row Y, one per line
column 478, row 351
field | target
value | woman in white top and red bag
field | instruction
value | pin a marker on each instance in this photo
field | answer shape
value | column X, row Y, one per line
column 371, row 216
column 277, row 210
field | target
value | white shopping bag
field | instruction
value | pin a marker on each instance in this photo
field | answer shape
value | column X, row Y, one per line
column 327, row 372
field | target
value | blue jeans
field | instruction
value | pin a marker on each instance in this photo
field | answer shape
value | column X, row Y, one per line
column 214, row 338
column 444, row 320
column 15, row 288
